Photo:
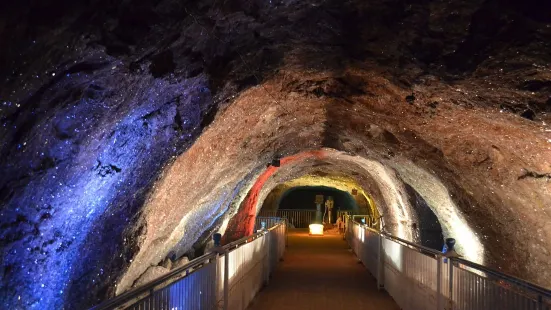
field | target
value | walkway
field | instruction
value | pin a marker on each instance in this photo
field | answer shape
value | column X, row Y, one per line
column 320, row 273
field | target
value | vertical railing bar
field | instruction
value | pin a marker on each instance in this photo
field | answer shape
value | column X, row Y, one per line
column 226, row 278
column 439, row 282
column 450, row 281
column 467, row 285
column 478, row 289
column 381, row 266
column 167, row 298
column 180, row 294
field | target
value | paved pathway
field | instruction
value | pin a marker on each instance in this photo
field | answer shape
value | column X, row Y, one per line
column 320, row 273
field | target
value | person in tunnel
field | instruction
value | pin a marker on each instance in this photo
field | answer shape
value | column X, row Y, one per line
column 449, row 249
column 340, row 225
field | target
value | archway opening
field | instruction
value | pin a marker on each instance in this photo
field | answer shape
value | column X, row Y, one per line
column 304, row 197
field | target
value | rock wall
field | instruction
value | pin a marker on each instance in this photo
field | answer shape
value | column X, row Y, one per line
column 107, row 166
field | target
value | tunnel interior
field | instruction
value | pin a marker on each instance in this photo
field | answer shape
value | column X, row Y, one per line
column 304, row 198
column 132, row 131
column 299, row 194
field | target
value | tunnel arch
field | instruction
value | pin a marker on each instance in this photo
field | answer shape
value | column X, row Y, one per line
column 369, row 145
column 317, row 179
column 303, row 198
column 382, row 183
column 144, row 142
column 428, row 230
column 395, row 206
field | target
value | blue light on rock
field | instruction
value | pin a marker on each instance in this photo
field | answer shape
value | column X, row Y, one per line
column 92, row 161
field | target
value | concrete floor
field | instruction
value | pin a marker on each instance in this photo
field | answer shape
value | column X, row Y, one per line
column 320, row 273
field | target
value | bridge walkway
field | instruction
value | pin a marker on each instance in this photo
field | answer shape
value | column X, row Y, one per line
column 321, row 272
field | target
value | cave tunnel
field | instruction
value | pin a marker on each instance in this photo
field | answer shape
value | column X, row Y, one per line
column 304, row 198
column 131, row 132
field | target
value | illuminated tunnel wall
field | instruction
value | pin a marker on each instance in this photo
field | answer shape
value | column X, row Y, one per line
column 428, row 230
column 403, row 210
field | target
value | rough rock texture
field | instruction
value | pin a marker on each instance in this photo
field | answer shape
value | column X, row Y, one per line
column 181, row 262
column 151, row 274
column 99, row 99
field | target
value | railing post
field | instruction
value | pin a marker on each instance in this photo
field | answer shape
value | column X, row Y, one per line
column 438, row 282
column 217, row 296
column 450, row 284
column 226, row 279
column 381, row 265
column 286, row 232
column 268, row 259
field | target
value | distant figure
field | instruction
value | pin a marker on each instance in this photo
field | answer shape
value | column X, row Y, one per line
column 217, row 238
column 449, row 249
column 340, row 225
column 262, row 226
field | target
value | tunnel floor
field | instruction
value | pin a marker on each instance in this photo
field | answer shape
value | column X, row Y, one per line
column 320, row 273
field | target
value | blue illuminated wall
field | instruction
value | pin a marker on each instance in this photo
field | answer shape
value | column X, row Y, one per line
column 74, row 177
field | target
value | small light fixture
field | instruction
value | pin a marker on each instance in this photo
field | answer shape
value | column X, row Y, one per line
column 316, row 229
column 276, row 161
column 411, row 98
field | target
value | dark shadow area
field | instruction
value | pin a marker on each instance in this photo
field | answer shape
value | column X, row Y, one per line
column 428, row 228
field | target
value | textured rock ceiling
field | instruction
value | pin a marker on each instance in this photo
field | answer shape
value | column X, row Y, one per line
column 131, row 131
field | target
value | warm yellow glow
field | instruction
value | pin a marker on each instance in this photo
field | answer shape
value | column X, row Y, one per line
column 340, row 182
column 316, row 229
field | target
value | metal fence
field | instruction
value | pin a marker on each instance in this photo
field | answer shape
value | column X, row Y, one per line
column 302, row 218
column 228, row 278
column 296, row 218
column 364, row 219
column 268, row 222
column 421, row 278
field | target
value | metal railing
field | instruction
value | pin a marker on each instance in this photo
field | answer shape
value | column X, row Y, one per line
column 345, row 213
column 422, row 278
column 301, row 218
column 364, row 219
column 297, row 218
column 227, row 278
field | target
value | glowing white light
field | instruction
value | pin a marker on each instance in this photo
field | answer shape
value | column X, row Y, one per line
column 393, row 251
column 316, row 229
column 224, row 225
column 454, row 224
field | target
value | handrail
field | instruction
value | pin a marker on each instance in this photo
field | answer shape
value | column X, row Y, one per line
column 414, row 246
column 422, row 249
column 235, row 244
column 137, row 292
column 151, row 285
column 310, row 210
column 510, row 278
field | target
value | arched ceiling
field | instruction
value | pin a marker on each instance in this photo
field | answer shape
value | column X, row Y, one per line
column 370, row 136
column 131, row 131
